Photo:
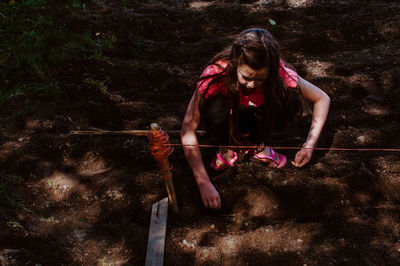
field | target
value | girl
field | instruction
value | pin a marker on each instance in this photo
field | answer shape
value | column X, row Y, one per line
column 244, row 94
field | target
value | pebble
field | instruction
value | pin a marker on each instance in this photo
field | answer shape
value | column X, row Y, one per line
column 361, row 139
column 188, row 244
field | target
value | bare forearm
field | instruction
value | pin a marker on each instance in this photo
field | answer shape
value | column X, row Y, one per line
column 193, row 156
column 320, row 113
column 208, row 193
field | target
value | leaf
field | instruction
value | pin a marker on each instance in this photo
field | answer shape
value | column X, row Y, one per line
column 272, row 22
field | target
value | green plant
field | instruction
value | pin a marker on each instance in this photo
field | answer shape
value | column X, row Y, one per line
column 16, row 179
column 3, row 193
column 15, row 224
column 33, row 176
column 79, row 4
column 270, row 176
column 136, row 47
column 37, row 39
column 52, row 89
column 5, row 95
column 8, row 200
column 50, row 219
column 91, row 47
column 27, row 110
column 96, row 84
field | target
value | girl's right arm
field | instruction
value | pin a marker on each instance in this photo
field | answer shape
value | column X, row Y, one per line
column 209, row 194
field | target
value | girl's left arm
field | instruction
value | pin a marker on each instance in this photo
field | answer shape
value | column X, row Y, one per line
column 321, row 103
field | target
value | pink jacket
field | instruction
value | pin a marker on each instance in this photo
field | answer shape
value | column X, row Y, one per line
column 255, row 99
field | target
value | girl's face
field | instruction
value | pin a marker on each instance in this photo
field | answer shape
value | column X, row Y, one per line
column 249, row 79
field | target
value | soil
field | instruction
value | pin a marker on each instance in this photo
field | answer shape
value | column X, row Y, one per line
column 86, row 200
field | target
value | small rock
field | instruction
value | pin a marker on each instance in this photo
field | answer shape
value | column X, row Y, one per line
column 319, row 166
column 361, row 139
column 188, row 244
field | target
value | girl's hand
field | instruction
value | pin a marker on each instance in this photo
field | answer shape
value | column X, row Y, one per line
column 302, row 157
column 210, row 196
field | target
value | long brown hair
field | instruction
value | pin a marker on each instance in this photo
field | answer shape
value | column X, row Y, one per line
column 257, row 49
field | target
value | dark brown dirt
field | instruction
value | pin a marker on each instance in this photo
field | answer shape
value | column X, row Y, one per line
column 86, row 200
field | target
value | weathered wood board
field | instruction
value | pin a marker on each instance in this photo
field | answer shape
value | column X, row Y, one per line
column 158, row 227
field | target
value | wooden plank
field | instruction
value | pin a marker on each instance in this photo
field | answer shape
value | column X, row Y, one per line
column 158, row 228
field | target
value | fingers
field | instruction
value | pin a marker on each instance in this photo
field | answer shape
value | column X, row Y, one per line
column 212, row 203
column 210, row 196
column 303, row 161
column 205, row 202
column 301, row 158
column 216, row 203
column 297, row 159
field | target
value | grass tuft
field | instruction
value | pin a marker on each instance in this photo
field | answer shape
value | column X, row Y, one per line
column 8, row 201
column 38, row 39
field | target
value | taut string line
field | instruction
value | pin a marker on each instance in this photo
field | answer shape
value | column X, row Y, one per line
column 287, row 148
column 202, row 132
